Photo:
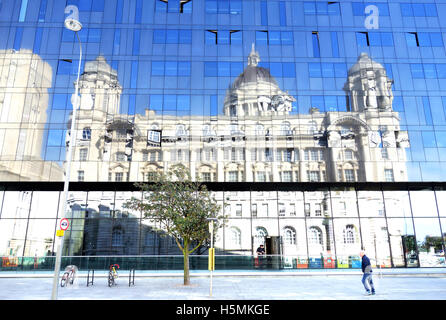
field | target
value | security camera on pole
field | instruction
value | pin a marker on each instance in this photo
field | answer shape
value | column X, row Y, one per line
column 71, row 23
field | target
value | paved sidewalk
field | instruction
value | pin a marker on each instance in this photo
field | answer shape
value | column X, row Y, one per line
column 391, row 284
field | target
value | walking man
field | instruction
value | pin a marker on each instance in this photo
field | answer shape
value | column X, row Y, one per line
column 367, row 276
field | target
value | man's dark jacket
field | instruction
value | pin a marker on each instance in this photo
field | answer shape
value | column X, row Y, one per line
column 366, row 265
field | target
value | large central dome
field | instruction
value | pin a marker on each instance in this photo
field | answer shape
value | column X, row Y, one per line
column 253, row 73
column 256, row 93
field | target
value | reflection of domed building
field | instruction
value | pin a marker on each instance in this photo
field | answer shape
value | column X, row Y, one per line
column 257, row 139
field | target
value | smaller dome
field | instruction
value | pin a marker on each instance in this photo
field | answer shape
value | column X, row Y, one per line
column 366, row 63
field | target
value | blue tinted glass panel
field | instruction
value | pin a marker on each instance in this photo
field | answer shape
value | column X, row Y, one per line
column 157, row 68
column 424, row 39
column 436, row 39
column 211, row 6
column 334, row 44
column 156, row 102
column 42, row 10
column 94, row 35
column 316, row 49
column 327, row 70
column 358, row 8
column 340, row 70
column 406, row 10
column 23, row 9
column 441, row 71
column 386, row 39
column 185, row 36
column 98, row 5
column 411, row 40
column 210, row 37
column 173, row 6
column 236, row 37
column 417, row 70
column 321, row 8
column 160, row 6
column 18, row 39
column 262, row 38
column 171, row 68
column 236, row 6
column 172, row 36
column 223, row 37
column 430, row 9
column 210, row 69
column 223, row 6
column 184, row 68
column 309, row 8
column 274, row 37
column 427, row 112
column 263, row 13
column 361, row 39
column 418, row 9
column 119, row 9
column 374, row 38
column 159, row 36
column 282, row 13
column 187, row 7
column 289, row 70
column 287, row 37
column 38, row 40
column 333, row 8
column 314, row 70
column 430, row 71
column 138, row 11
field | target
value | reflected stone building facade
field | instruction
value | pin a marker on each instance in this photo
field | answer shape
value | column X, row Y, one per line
column 318, row 137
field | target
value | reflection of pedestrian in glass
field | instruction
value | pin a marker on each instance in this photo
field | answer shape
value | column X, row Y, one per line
column 367, row 274
column 261, row 255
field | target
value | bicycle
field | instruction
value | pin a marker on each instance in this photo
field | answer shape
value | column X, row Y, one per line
column 68, row 276
column 112, row 274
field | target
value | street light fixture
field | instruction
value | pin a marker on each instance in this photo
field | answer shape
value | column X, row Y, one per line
column 71, row 23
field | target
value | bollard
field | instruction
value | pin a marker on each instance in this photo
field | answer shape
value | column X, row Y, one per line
column 132, row 277
column 88, row 277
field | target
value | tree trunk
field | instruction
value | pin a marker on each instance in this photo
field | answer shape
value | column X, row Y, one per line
column 186, row 265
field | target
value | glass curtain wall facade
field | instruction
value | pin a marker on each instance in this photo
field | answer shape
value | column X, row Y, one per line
column 246, row 93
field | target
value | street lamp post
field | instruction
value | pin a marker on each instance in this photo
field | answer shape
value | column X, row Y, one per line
column 74, row 25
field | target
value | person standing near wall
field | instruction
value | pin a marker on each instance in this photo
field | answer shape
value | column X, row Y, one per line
column 367, row 280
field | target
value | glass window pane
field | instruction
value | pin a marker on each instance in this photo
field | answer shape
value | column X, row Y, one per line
column 423, row 203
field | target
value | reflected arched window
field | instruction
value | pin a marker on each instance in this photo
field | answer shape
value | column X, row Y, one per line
column 117, row 237
column 207, row 130
column 349, row 234
column 285, row 128
column 312, row 127
column 181, row 130
column 315, row 235
column 235, row 236
column 260, row 129
column 289, row 236
column 259, row 237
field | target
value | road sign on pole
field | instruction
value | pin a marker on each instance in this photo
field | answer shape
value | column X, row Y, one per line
column 64, row 224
